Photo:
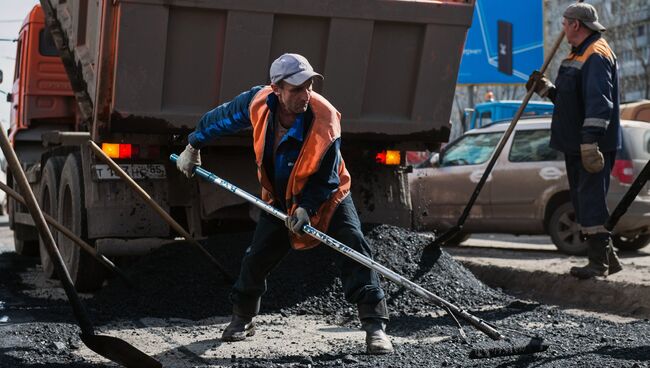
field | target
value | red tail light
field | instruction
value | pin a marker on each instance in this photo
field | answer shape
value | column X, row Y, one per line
column 133, row 151
column 623, row 171
column 388, row 157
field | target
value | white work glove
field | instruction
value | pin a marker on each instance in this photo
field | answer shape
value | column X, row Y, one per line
column 592, row 158
column 189, row 158
column 296, row 221
column 540, row 84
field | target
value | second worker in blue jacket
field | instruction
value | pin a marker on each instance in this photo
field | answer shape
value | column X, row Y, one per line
column 585, row 127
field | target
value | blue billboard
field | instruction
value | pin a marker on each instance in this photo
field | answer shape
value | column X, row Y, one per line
column 504, row 44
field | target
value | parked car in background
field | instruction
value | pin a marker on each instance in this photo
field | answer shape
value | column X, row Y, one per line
column 527, row 191
column 639, row 110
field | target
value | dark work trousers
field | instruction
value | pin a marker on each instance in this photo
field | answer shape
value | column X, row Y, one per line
column 271, row 243
column 589, row 191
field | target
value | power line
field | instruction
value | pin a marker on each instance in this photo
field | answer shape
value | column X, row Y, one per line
column 9, row 39
column 10, row 20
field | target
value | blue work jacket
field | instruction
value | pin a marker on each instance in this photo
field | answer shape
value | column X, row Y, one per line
column 586, row 99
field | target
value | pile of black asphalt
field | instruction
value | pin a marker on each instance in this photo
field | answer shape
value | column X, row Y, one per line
column 176, row 281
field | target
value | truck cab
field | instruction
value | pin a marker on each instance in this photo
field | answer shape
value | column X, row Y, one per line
column 41, row 98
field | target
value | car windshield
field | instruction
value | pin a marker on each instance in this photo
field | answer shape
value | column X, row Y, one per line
column 472, row 149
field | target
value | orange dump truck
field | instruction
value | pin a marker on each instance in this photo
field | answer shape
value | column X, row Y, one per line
column 136, row 76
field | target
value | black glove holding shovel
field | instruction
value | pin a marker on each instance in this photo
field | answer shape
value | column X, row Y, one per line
column 540, row 84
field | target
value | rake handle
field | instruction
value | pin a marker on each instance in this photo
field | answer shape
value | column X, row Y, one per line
column 349, row 252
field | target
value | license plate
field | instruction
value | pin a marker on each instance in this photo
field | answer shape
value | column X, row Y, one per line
column 135, row 171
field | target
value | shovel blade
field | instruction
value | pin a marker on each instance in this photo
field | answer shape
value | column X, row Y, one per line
column 119, row 351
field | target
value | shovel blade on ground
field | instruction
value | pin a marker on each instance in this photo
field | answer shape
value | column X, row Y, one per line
column 119, row 351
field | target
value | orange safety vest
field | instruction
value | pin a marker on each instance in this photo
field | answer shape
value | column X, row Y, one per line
column 324, row 130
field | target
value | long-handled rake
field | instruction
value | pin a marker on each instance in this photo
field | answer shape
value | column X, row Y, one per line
column 506, row 345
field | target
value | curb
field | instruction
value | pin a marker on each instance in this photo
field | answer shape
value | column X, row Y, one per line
column 599, row 295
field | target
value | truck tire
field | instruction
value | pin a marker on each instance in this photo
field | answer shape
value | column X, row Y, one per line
column 48, row 200
column 86, row 273
column 25, row 237
column 25, row 240
column 565, row 231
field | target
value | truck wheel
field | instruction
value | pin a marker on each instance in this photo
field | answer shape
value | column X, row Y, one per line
column 565, row 231
column 25, row 237
column 630, row 244
column 25, row 240
column 86, row 273
column 48, row 194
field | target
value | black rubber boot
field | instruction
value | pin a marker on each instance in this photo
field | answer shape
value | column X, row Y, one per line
column 598, row 254
column 239, row 329
column 377, row 342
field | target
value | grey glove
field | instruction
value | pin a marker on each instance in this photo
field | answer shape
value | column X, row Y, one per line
column 296, row 221
column 592, row 158
column 188, row 159
column 539, row 83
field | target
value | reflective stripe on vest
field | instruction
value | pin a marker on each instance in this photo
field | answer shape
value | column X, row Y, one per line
column 324, row 130
column 600, row 46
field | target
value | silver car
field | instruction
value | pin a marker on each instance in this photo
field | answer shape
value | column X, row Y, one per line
column 527, row 192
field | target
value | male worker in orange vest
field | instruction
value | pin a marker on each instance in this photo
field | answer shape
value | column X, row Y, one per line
column 585, row 127
column 296, row 138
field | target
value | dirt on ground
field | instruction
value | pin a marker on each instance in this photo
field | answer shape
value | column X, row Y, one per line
column 181, row 306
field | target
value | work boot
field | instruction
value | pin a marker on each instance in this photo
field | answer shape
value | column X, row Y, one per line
column 377, row 341
column 597, row 253
column 239, row 329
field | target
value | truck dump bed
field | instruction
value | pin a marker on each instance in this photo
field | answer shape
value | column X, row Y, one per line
column 390, row 66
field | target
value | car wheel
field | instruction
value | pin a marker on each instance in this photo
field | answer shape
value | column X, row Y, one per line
column 565, row 231
column 630, row 244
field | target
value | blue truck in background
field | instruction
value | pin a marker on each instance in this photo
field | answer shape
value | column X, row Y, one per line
column 485, row 113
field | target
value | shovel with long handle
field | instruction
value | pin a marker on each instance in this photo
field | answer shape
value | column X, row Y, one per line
column 109, row 347
column 77, row 240
column 161, row 211
column 629, row 197
column 506, row 348
column 450, row 233
column 349, row 252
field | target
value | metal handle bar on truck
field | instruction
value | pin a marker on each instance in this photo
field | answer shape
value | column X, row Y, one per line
column 349, row 252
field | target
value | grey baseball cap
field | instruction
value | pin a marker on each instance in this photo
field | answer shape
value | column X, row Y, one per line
column 293, row 69
column 585, row 13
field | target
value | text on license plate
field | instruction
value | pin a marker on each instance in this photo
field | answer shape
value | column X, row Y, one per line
column 135, row 171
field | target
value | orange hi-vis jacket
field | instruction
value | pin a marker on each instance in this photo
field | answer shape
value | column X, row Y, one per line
column 325, row 129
